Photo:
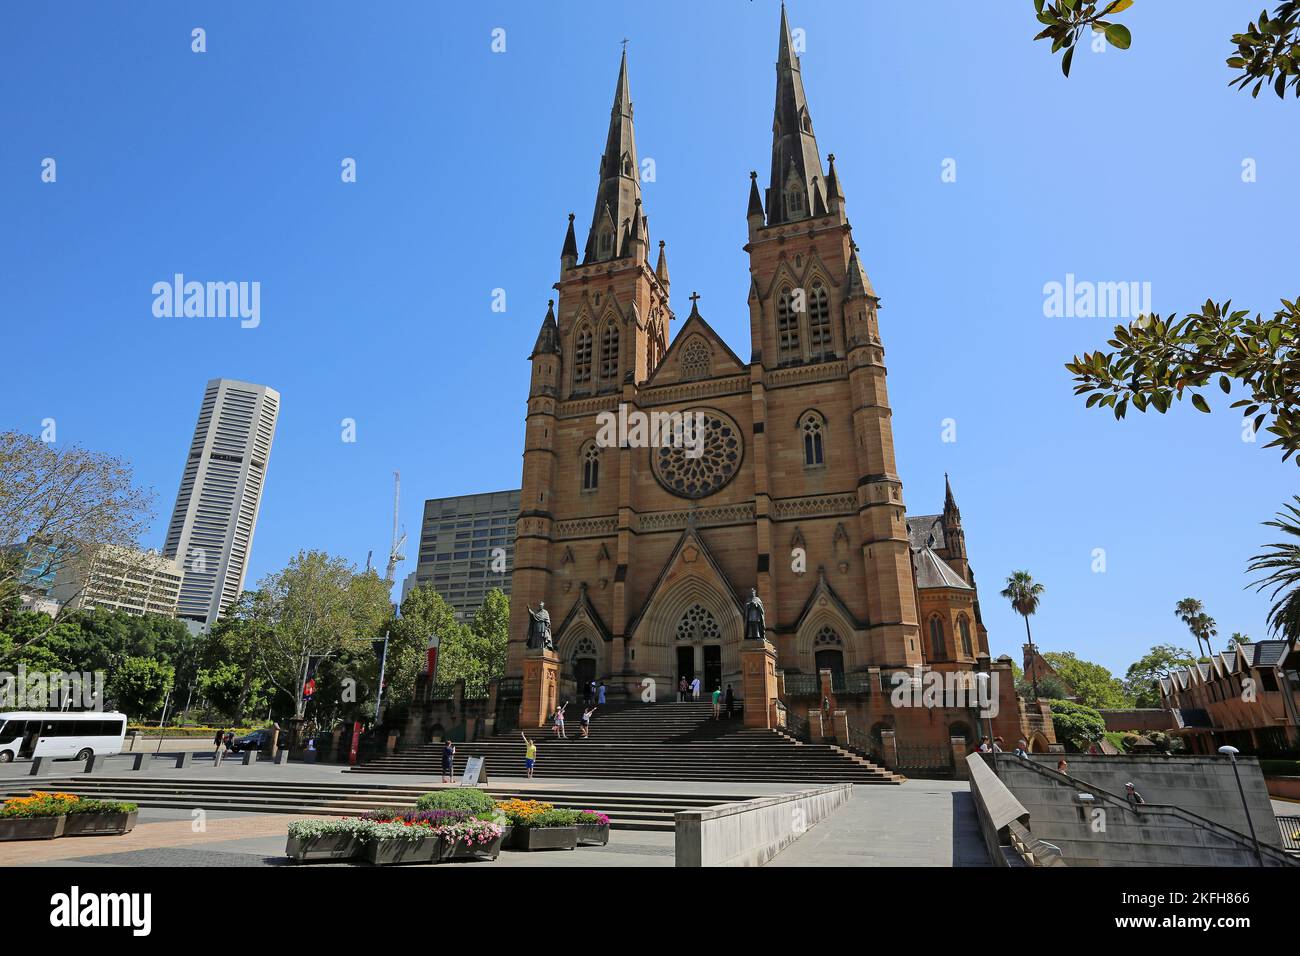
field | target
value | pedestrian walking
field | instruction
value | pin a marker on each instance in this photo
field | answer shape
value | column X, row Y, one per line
column 681, row 689
column 985, row 746
column 717, row 703
column 600, row 695
column 695, row 689
column 216, row 742
column 448, row 755
column 1133, row 796
column 1020, row 749
column 530, row 754
column 731, row 702
column 586, row 722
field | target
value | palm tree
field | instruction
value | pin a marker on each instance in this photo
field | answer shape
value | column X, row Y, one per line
column 1023, row 593
column 1192, row 613
column 1280, row 565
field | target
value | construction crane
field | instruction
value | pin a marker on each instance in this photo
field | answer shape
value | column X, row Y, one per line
column 399, row 541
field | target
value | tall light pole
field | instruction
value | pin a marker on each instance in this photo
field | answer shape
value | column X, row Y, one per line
column 1231, row 754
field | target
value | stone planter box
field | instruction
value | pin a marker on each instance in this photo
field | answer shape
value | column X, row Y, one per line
column 508, row 832
column 31, row 828
column 394, row 852
column 546, row 838
column 100, row 824
column 460, row 850
column 593, row 834
column 334, row 846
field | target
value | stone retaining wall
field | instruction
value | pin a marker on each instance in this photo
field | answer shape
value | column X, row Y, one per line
column 751, row 832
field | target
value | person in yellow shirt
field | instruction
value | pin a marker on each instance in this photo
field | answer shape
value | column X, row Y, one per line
column 530, row 753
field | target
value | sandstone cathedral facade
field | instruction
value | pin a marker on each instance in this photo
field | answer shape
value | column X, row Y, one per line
column 645, row 557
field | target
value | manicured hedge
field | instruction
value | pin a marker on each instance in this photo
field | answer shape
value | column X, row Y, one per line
column 467, row 798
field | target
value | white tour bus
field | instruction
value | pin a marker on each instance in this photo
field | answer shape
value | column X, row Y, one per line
column 26, row 734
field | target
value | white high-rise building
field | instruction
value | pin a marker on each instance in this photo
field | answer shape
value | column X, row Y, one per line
column 211, row 531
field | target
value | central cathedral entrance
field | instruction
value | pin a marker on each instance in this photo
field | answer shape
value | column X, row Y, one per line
column 712, row 668
column 685, row 665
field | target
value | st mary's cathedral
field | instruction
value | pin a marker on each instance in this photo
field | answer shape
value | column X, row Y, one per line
column 645, row 557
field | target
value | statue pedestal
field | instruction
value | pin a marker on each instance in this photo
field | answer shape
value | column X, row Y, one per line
column 541, row 688
column 758, row 679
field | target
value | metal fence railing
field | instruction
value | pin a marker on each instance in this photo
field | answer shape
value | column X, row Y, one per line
column 1290, row 827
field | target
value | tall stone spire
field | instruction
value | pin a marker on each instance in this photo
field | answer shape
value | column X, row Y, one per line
column 661, row 268
column 619, row 194
column 798, row 189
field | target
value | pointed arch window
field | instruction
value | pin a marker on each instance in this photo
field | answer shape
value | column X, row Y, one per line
column 697, row 359
column 936, row 638
column 590, row 467
column 813, row 429
column 609, row 353
column 582, row 357
column 787, row 330
column 963, row 625
column 605, row 243
column 819, row 324
column 697, row 624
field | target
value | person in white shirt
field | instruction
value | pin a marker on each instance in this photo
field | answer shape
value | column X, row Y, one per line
column 695, row 689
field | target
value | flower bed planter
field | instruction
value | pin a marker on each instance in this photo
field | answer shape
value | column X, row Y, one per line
column 31, row 828
column 462, row 850
column 100, row 824
column 391, row 852
column 330, row 846
column 593, row 834
column 546, row 838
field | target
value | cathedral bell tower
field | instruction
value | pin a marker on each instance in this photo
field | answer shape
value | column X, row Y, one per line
column 813, row 323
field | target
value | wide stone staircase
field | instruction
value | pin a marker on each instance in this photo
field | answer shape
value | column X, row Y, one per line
column 627, row 809
column 667, row 741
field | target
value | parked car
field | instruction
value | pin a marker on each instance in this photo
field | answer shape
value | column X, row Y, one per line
column 257, row 740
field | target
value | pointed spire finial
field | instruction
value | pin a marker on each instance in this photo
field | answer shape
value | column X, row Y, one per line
column 620, row 183
column 796, row 186
column 695, row 303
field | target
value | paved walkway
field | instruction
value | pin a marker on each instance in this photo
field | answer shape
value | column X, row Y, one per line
column 920, row 823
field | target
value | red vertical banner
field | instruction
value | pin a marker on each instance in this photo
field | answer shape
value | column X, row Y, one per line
column 356, row 743
column 431, row 658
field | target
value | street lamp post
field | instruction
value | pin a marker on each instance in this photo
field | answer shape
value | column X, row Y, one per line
column 1231, row 754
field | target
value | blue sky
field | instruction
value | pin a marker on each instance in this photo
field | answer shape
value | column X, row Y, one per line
column 376, row 296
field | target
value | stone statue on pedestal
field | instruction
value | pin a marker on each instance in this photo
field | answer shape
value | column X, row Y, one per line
column 539, row 628
column 755, row 622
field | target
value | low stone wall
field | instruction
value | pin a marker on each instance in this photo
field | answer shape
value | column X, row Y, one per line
column 751, row 832
column 1284, row 788
column 1139, row 719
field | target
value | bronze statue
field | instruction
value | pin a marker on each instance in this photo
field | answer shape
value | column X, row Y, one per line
column 755, row 621
column 539, row 627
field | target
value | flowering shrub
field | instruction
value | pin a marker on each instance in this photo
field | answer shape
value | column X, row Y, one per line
column 471, row 832
column 464, row 798
column 39, row 804
column 309, row 829
column 398, row 831
column 102, row 806
column 549, row 818
column 593, row 818
column 416, row 818
column 518, row 812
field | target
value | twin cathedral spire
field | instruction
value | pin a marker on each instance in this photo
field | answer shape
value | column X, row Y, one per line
column 618, row 242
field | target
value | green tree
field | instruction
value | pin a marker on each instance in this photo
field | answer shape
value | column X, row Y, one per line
column 492, row 627
column 1279, row 565
column 317, row 608
column 1076, row 725
column 1094, row 685
column 1024, row 594
column 56, row 503
column 1192, row 613
column 1143, row 674
column 1268, row 51
column 1155, row 363
column 138, row 686
column 229, row 690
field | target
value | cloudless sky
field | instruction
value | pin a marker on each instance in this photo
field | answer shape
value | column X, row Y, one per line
column 376, row 296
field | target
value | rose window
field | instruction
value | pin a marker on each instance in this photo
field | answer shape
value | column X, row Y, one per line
column 719, row 454
column 697, row 624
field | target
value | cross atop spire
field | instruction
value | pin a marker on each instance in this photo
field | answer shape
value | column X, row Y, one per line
column 797, row 189
column 619, row 191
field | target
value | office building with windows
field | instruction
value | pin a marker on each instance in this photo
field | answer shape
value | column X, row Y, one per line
column 467, row 547
column 211, row 530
